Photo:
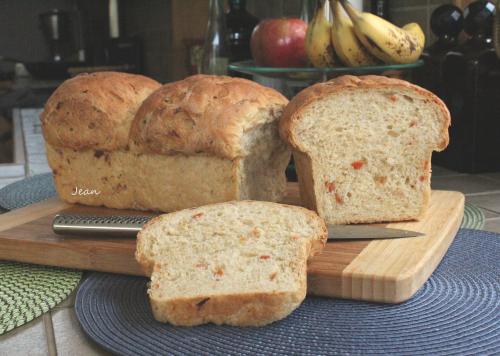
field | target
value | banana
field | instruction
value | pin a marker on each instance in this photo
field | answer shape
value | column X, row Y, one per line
column 414, row 29
column 387, row 42
column 347, row 46
column 318, row 42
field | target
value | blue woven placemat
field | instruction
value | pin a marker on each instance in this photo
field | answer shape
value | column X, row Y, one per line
column 40, row 187
column 457, row 311
column 27, row 191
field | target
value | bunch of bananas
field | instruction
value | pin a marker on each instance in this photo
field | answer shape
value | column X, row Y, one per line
column 359, row 39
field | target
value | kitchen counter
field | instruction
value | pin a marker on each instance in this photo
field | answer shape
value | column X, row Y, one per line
column 59, row 333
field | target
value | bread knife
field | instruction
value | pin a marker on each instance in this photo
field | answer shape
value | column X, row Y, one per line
column 129, row 226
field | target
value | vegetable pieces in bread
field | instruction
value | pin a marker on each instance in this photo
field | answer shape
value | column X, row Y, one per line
column 238, row 263
column 362, row 147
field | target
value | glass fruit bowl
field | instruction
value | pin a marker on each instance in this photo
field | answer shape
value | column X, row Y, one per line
column 321, row 74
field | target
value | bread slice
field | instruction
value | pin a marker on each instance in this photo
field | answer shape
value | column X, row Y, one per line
column 362, row 147
column 238, row 263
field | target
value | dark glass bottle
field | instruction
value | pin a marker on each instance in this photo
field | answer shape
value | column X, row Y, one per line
column 446, row 24
column 496, row 30
column 478, row 24
column 468, row 84
column 240, row 24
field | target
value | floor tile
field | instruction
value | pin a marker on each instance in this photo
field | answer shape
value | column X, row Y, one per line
column 489, row 201
column 492, row 225
column 438, row 171
column 488, row 214
column 49, row 334
column 495, row 176
column 68, row 302
column 70, row 338
column 467, row 184
column 28, row 339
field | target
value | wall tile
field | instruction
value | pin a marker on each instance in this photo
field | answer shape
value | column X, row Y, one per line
column 291, row 8
column 401, row 17
column 440, row 2
column 407, row 3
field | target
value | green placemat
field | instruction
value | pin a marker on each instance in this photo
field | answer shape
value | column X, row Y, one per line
column 27, row 291
column 473, row 217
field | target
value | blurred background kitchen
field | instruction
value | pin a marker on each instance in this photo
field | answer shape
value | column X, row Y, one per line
column 44, row 42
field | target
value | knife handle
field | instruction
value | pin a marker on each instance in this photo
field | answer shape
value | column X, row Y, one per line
column 116, row 226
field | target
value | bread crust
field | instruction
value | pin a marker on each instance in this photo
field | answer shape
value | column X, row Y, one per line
column 95, row 110
column 253, row 309
column 203, row 113
column 303, row 164
column 240, row 309
column 309, row 95
column 310, row 193
column 90, row 119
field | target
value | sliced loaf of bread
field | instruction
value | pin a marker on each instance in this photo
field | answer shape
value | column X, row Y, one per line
column 362, row 147
column 237, row 263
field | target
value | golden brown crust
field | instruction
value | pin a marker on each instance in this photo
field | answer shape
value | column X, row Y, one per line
column 303, row 164
column 255, row 309
column 293, row 110
column 95, row 110
column 147, row 264
column 204, row 114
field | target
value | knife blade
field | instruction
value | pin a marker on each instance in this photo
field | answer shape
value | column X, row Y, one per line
column 129, row 226
column 363, row 232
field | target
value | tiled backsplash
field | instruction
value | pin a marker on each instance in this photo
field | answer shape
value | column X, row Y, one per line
column 405, row 11
column 34, row 143
column 30, row 158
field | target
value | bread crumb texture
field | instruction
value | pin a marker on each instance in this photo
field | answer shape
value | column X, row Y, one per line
column 368, row 142
column 238, row 263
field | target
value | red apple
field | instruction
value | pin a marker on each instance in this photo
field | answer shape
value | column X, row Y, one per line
column 279, row 43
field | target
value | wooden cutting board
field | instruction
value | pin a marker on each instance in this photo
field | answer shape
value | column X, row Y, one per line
column 379, row 270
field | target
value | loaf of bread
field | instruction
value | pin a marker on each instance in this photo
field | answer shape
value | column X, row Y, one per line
column 362, row 147
column 238, row 263
column 123, row 141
